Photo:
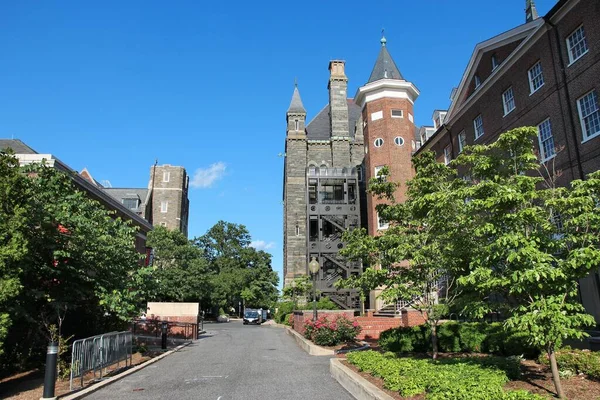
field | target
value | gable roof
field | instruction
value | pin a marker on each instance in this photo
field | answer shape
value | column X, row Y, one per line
column 385, row 67
column 17, row 146
column 319, row 128
column 521, row 32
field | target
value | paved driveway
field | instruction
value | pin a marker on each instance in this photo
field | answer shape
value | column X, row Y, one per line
column 232, row 361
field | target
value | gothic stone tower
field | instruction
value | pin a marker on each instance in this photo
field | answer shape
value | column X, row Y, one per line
column 386, row 102
column 169, row 190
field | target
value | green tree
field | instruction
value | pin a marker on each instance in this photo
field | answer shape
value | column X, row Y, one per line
column 299, row 287
column 532, row 241
column 181, row 269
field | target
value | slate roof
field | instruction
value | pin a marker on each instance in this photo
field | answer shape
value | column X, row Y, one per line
column 320, row 126
column 385, row 67
column 128, row 193
column 296, row 105
column 17, row 146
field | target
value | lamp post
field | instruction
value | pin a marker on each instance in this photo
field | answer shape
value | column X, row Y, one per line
column 313, row 267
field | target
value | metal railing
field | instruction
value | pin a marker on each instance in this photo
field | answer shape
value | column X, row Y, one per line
column 98, row 352
column 175, row 329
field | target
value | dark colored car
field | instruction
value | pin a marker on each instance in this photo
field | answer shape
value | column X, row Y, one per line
column 252, row 317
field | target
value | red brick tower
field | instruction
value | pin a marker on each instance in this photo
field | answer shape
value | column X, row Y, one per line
column 387, row 101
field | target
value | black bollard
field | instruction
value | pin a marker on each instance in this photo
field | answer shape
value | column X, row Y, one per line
column 164, row 335
column 50, row 375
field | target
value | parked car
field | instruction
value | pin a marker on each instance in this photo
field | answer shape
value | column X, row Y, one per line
column 252, row 316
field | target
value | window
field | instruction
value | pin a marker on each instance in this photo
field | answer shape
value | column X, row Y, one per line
column 359, row 172
column 297, row 230
column 397, row 114
column 382, row 224
column 547, row 150
column 164, row 206
column 131, row 204
column 166, row 176
column 297, row 124
column 378, row 142
column 495, row 62
column 576, row 45
column 536, row 78
column 376, row 115
column 164, row 224
column 377, row 169
column 589, row 115
column 508, row 100
column 447, row 155
column 398, row 141
column 410, row 117
column 462, row 141
column 478, row 125
column 477, row 81
column 332, row 191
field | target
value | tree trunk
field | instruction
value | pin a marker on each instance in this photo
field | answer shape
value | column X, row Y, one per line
column 555, row 376
column 434, row 340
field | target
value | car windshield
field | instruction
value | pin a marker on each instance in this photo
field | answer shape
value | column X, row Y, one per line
column 251, row 314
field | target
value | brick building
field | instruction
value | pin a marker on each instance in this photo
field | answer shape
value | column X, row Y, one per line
column 329, row 160
column 544, row 73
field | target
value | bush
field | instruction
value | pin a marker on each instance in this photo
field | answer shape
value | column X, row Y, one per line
column 580, row 361
column 283, row 310
column 480, row 378
column 325, row 303
column 478, row 337
column 325, row 332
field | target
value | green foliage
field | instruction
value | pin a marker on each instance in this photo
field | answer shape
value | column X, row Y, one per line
column 480, row 378
column 299, row 287
column 325, row 303
column 476, row 337
column 284, row 309
column 579, row 361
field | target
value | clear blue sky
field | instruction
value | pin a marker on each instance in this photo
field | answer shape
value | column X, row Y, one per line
column 114, row 85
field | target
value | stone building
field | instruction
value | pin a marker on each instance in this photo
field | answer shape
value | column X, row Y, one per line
column 329, row 160
column 544, row 73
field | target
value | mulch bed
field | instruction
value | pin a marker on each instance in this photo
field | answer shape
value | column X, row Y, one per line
column 29, row 385
column 536, row 378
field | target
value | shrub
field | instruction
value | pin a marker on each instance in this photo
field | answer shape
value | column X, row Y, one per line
column 284, row 308
column 480, row 378
column 580, row 361
column 325, row 303
column 325, row 332
column 479, row 337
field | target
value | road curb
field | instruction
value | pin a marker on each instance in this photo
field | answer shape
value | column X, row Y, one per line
column 100, row 385
column 308, row 346
column 356, row 385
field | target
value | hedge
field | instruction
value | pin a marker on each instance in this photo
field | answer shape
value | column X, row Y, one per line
column 476, row 337
column 577, row 361
column 478, row 378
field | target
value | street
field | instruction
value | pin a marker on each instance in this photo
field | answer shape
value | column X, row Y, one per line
column 232, row 361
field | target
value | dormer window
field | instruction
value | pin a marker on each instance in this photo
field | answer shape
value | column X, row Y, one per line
column 131, row 203
column 495, row 62
column 477, row 81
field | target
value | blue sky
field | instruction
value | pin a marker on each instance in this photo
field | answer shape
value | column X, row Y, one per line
column 114, row 85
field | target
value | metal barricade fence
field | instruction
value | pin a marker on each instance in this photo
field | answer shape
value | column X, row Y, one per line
column 98, row 352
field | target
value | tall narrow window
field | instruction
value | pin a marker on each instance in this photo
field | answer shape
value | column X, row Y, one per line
column 494, row 62
column 297, row 230
column 547, row 150
column 478, row 125
column 381, row 223
column 377, row 169
column 508, row 100
column 447, row 155
column 462, row 141
column 577, row 45
column 589, row 115
column 297, row 123
column 166, row 176
column 477, row 81
column 164, row 206
column 536, row 78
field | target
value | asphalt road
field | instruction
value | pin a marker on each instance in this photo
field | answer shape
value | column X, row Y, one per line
column 230, row 362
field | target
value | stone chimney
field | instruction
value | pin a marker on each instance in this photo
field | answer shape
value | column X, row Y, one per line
column 338, row 103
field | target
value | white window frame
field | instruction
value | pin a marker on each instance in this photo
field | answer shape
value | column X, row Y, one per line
column 478, row 127
column 543, row 156
column 532, row 78
column 495, row 62
column 477, row 81
column 164, row 206
column 397, row 116
column 508, row 99
column 447, row 154
column 376, row 141
column 382, row 225
column 570, row 47
column 163, row 224
column 462, row 141
column 166, row 176
column 377, row 169
column 399, row 139
column 595, row 114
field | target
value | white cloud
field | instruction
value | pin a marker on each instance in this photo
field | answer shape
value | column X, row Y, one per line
column 205, row 177
column 262, row 245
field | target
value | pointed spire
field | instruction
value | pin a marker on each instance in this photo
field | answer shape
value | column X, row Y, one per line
column 385, row 67
column 530, row 11
column 296, row 105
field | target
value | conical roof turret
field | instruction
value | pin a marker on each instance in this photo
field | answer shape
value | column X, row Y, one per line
column 296, row 105
column 385, row 67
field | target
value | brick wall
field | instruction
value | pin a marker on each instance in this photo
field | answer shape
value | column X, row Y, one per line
column 371, row 326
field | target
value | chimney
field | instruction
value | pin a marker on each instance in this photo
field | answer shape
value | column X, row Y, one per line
column 338, row 103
